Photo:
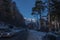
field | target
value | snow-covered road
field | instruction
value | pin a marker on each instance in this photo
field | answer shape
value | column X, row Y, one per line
column 34, row 35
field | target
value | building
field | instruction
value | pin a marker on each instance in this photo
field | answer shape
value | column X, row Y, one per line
column 54, row 21
column 5, row 10
column 9, row 13
column 17, row 15
column 54, row 16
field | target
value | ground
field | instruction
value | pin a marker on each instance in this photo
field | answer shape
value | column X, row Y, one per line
column 19, row 36
column 27, row 35
column 34, row 35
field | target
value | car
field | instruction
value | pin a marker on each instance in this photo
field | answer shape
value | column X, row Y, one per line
column 6, row 33
column 10, row 32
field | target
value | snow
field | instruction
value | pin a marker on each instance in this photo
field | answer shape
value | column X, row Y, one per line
column 34, row 35
column 2, row 26
column 16, row 30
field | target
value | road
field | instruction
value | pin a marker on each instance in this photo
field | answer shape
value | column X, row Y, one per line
column 35, row 35
column 19, row 36
column 27, row 35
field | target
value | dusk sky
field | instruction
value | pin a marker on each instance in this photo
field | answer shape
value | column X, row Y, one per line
column 25, row 7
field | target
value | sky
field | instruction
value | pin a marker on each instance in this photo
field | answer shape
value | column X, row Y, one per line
column 25, row 7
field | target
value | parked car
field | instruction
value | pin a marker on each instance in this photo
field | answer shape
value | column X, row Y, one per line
column 6, row 33
column 9, row 32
